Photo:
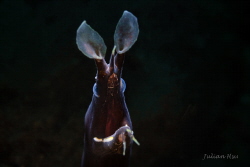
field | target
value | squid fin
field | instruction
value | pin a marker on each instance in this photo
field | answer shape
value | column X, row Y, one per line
column 126, row 32
column 90, row 42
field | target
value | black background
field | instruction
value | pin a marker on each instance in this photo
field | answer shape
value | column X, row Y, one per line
column 187, row 80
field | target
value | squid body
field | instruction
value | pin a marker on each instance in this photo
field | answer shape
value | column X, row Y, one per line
column 108, row 128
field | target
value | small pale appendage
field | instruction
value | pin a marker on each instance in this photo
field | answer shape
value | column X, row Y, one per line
column 114, row 141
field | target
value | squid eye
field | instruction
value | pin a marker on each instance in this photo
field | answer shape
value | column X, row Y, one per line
column 123, row 85
column 95, row 90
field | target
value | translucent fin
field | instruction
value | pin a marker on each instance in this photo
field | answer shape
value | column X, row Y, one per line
column 90, row 42
column 126, row 32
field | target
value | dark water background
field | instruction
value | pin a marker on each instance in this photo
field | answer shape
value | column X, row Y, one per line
column 187, row 80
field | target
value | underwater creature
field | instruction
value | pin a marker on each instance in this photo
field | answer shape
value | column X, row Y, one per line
column 108, row 135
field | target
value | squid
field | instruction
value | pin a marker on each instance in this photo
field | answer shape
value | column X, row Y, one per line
column 108, row 134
